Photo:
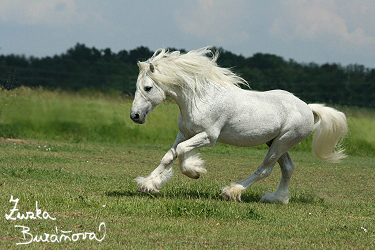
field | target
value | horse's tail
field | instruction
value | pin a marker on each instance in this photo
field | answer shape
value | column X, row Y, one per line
column 330, row 128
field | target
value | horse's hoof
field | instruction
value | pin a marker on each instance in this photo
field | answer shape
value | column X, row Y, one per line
column 145, row 185
column 147, row 190
column 225, row 196
column 232, row 192
column 194, row 172
column 192, row 175
column 275, row 197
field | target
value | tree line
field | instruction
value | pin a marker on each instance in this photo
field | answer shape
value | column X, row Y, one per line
column 81, row 67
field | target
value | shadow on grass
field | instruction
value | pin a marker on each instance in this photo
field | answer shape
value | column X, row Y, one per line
column 247, row 197
column 306, row 198
column 188, row 194
column 184, row 194
column 126, row 194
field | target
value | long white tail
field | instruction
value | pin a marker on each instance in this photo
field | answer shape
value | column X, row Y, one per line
column 330, row 127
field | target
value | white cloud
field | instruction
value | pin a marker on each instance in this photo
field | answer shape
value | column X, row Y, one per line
column 217, row 20
column 311, row 20
column 41, row 12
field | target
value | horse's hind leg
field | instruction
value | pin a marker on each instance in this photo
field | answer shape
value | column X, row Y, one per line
column 281, row 195
column 278, row 151
column 234, row 191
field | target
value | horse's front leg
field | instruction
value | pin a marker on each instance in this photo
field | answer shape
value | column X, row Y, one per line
column 163, row 173
column 191, row 164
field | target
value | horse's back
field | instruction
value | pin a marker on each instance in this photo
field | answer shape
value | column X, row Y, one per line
column 258, row 117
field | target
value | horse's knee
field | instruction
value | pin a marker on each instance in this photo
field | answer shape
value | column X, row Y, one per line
column 180, row 150
column 169, row 157
column 263, row 172
column 288, row 169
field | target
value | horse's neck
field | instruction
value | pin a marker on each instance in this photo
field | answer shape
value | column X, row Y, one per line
column 189, row 103
column 183, row 102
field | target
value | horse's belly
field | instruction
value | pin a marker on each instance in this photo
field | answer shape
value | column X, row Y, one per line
column 248, row 138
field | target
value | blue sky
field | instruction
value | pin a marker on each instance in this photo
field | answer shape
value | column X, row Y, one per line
column 320, row 31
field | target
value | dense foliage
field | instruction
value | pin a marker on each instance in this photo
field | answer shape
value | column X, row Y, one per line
column 83, row 68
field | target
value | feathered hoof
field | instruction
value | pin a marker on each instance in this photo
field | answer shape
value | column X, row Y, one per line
column 194, row 172
column 192, row 165
column 275, row 197
column 232, row 192
column 146, row 185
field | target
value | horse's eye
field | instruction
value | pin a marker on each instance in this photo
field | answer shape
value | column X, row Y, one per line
column 148, row 88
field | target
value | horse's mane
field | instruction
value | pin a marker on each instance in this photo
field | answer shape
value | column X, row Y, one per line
column 193, row 70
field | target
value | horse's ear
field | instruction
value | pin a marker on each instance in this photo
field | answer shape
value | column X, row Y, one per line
column 141, row 65
column 175, row 53
column 152, row 68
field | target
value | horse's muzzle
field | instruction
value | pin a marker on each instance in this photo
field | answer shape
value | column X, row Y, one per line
column 136, row 118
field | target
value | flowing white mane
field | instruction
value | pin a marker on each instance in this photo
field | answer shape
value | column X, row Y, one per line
column 191, row 71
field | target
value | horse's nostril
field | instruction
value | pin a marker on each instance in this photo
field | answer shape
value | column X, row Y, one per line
column 134, row 117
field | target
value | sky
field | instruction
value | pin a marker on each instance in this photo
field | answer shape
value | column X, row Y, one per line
column 320, row 31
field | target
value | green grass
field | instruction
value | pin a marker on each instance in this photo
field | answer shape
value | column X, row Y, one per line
column 29, row 114
column 77, row 155
column 84, row 184
column 57, row 115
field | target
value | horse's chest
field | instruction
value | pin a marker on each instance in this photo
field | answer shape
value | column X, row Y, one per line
column 190, row 127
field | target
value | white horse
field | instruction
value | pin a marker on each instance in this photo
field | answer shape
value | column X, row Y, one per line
column 213, row 108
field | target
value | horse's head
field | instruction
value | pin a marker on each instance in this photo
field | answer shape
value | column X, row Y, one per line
column 147, row 95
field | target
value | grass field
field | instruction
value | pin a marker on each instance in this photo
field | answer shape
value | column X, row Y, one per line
column 77, row 157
